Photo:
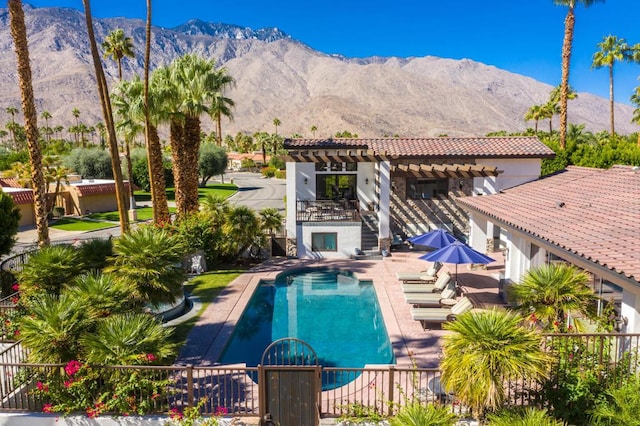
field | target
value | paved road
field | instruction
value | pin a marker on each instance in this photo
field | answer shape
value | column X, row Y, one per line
column 254, row 192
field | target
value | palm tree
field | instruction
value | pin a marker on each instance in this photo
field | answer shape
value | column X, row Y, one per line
column 105, row 102
column 117, row 46
column 314, row 129
column 19, row 35
column 49, row 270
column 485, row 350
column 128, row 339
column 217, row 206
column 76, row 114
column 46, row 115
column 221, row 105
column 147, row 261
column 612, row 49
column 567, row 45
column 240, row 228
column 270, row 219
column 13, row 111
column 550, row 293
column 534, row 114
column 635, row 100
column 276, row 123
column 547, row 111
column 100, row 295
column 51, row 330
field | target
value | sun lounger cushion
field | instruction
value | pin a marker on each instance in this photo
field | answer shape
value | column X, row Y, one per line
column 436, row 287
column 441, row 314
column 415, row 277
column 430, row 299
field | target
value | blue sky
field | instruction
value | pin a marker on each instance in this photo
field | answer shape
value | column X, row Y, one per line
column 520, row 36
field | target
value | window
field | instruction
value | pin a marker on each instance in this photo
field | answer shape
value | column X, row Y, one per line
column 425, row 189
column 336, row 187
column 324, row 241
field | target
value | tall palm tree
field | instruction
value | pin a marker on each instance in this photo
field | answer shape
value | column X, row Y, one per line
column 314, row 129
column 485, row 350
column 154, row 149
column 221, row 105
column 551, row 293
column 612, row 50
column 276, row 123
column 635, row 100
column 547, row 111
column 117, row 46
column 567, row 45
column 76, row 114
column 13, row 111
column 105, row 102
column 46, row 115
column 19, row 35
column 240, row 228
column 534, row 113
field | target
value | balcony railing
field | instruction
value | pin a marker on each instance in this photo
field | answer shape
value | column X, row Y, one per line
column 328, row 211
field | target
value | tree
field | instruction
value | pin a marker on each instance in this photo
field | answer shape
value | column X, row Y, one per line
column 19, row 35
column 76, row 114
column 486, row 349
column 567, row 45
column 147, row 262
column 612, row 49
column 534, row 114
column 212, row 161
column 46, row 115
column 100, row 295
column 9, row 222
column 90, row 163
column 105, row 103
column 314, row 129
column 270, row 219
column 221, row 105
column 48, row 271
column 12, row 111
column 117, row 46
column 549, row 294
column 635, row 100
column 276, row 123
column 240, row 228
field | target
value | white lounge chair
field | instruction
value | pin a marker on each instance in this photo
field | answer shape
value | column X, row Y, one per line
column 430, row 299
column 428, row 276
column 436, row 287
column 440, row 315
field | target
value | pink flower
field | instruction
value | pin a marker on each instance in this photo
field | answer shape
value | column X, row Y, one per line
column 72, row 367
column 221, row 411
column 68, row 383
column 16, row 287
column 42, row 387
column 47, row 408
column 150, row 357
column 175, row 414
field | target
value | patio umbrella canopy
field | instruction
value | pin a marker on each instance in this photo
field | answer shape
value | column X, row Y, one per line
column 457, row 253
column 436, row 238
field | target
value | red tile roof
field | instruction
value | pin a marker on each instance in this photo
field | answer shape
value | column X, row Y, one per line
column 10, row 183
column 20, row 196
column 593, row 213
column 496, row 147
column 97, row 188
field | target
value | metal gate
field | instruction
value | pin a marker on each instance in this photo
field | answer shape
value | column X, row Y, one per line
column 278, row 245
column 290, row 384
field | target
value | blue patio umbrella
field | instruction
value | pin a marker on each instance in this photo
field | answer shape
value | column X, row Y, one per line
column 457, row 253
column 437, row 238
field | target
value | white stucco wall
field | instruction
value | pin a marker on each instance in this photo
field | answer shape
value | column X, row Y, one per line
column 516, row 171
column 478, row 233
column 349, row 237
column 366, row 191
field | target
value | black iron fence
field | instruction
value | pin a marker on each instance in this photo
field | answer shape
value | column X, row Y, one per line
column 328, row 211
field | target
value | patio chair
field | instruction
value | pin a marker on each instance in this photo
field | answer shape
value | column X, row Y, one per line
column 430, row 299
column 436, row 287
column 196, row 264
column 443, row 314
column 428, row 276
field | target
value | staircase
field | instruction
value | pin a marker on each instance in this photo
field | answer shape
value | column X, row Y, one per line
column 369, row 234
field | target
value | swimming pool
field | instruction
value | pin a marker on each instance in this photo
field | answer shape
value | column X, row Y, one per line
column 335, row 313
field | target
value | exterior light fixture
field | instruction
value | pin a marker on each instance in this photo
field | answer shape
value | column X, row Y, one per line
column 306, row 181
column 620, row 322
column 366, row 181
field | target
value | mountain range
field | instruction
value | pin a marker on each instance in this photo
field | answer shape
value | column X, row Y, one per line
column 279, row 77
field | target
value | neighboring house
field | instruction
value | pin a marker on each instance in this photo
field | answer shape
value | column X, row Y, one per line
column 84, row 196
column 235, row 159
column 23, row 198
column 348, row 194
column 587, row 217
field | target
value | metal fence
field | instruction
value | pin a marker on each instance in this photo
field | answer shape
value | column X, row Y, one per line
column 381, row 389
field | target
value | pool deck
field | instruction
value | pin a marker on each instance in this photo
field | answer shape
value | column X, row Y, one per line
column 410, row 341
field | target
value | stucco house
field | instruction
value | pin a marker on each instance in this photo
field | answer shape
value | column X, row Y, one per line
column 347, row 194
column 585, row 216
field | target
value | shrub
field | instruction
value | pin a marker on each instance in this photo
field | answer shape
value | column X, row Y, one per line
column 94, row 253
column 90, row 163
column 281, row 174
column 620, row 406
column 141, row 173
column 523, row 417
column 269, row 171
column 9, row 221
column 277, row 163
column 414, row 414
column 247, row 163
column 48, row 270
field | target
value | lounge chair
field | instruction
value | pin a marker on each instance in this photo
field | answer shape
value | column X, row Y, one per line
column 430, row 299
column 440, row 315
column 428, row 276
column 438, row 286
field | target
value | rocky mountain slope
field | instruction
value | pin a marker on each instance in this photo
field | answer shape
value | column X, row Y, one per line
column 281, row 77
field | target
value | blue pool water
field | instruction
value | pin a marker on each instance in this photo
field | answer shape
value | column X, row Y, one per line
column 335, row 313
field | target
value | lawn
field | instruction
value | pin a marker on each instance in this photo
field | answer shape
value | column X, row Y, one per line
column 143, row 213
column 205, row 287
column 74, row 224
column 224, row 189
